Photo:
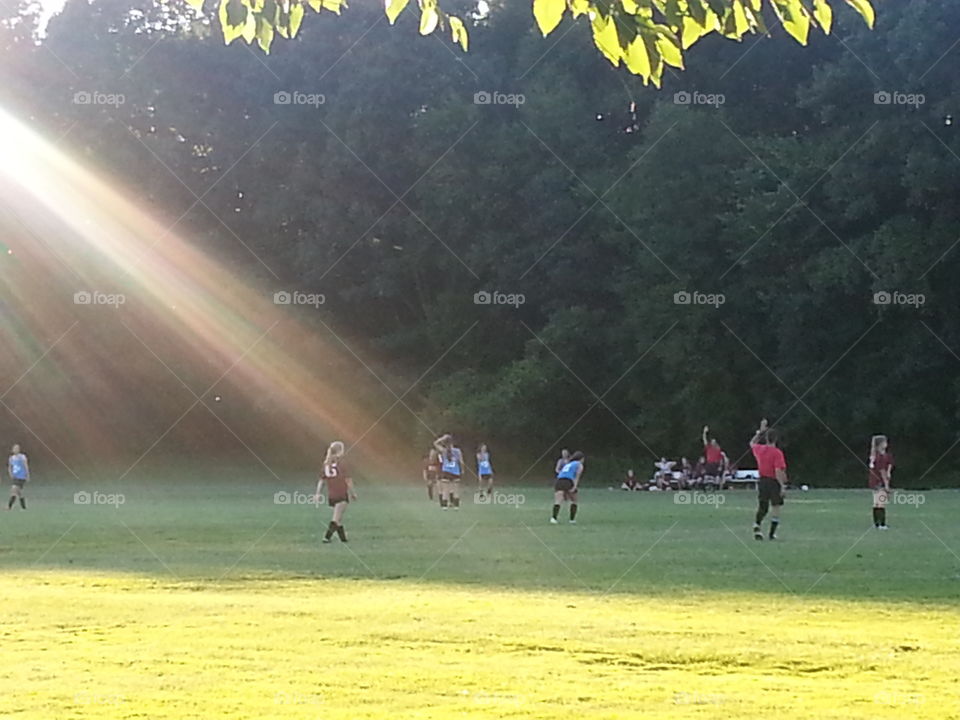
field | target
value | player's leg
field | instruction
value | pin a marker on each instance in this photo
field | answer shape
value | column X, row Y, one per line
column 763, row 506
column 572, row 496
column 339, row 509
column 331, row 526
column 558, row 498
column 444, row 492
column 455, row 493
column 776, row 505
column 14, row 494
column 880, row 498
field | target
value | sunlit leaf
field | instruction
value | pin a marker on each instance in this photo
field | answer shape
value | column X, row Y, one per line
column 548, row 14
column 459, row 32
column 394, row 8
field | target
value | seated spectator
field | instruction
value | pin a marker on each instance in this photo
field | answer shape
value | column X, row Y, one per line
column 664, row 474
column 630, row 482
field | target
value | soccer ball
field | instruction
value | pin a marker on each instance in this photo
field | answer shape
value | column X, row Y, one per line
column 804, row 487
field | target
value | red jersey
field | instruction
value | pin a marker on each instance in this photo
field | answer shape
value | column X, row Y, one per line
column 713, row 453
column 769, row 459
column 335, row 476
column 883, row 461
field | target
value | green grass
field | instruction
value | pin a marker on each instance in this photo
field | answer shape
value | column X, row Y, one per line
column 204, row 598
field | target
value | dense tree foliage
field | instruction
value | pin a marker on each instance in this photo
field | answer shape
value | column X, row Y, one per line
column 795, row 183
column 645, row 36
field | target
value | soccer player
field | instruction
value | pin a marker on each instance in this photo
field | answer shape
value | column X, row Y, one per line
column 431, row 471
column 339, row 489
column 881, row 468
column 485, row 470
column 18, row 468
column 713, row 454
column 451, row 468
column 566, row 486
column 561, row 461
column 772, row 467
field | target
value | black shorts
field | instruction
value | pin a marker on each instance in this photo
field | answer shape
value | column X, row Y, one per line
column 449, row 477
column 563, row 485
column 486, row 476
column 332, row 502
column 18, row 482
column 712, row 469
column 769, row 489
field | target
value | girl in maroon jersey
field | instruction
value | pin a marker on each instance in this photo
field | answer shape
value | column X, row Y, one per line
column 339, row 489
column 881, row 468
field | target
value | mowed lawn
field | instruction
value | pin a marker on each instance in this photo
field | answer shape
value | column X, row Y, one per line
column 204, row 598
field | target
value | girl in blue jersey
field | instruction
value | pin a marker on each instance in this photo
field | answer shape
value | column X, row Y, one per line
column 18, row 468
column 451, row 468
column 484, row 470
column 566, row 486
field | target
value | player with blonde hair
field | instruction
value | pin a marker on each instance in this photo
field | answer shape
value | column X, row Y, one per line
column 339, row 486
column 881, row 468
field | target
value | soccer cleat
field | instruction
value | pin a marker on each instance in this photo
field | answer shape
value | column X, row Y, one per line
column 757, row 532
column 326, row 541
column 553, row 521
column 573, row 522
column 773, row 537
column 882, row 527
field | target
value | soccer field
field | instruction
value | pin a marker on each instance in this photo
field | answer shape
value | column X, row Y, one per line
column 204, row 598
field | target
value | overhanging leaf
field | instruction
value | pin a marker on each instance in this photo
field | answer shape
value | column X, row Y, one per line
column 548, row 14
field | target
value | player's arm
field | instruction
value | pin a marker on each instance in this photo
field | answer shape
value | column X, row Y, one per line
column 26, row 466
column 759, row 433
column 350, row 491
column 782, row 477
column 706, row 429
column 438, row 444
column 316, row 495
column 576, row 480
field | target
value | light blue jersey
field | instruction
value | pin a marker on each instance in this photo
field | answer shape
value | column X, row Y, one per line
column 18, row 466
column 483, row 464
column 569, row 471
column 451, row 461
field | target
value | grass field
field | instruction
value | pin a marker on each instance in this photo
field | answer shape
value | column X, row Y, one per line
column 202, row 598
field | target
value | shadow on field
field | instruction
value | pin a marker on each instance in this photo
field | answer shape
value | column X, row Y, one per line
column 232, row 526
